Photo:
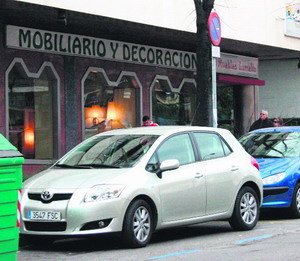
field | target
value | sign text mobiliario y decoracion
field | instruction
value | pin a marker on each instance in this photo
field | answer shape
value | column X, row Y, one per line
column 78, row 45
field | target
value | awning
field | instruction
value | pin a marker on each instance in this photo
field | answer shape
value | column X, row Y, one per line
column 236, row 80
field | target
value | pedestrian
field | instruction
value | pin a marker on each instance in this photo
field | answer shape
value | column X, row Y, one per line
column 262, row 122
column 147, row 122
column 277, row 122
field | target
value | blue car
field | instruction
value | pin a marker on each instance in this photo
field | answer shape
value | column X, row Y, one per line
column 277, row 151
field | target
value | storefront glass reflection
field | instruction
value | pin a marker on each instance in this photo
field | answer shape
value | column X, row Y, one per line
column 173, row 106
column 110, row 105
column 31, row 110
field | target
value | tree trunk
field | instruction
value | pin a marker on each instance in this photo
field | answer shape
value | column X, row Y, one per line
column 204, row 108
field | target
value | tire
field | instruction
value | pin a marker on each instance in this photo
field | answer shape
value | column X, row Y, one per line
column 246, row 210
column 137, row 225
column 295, row 205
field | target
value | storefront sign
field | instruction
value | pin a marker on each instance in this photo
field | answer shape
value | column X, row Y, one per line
column 70, row 44
column 237, row 65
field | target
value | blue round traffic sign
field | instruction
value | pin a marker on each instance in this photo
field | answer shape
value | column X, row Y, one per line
column 214, row 28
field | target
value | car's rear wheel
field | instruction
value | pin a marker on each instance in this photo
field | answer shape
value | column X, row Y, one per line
column 138, row 224
column 295, row 206
column 246, row 210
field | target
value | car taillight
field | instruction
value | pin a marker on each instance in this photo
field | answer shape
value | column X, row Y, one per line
column 254, row 163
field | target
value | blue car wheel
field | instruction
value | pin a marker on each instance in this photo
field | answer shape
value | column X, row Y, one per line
column 295, row 206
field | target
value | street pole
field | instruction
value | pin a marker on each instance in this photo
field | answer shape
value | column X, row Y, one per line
column 215, row 53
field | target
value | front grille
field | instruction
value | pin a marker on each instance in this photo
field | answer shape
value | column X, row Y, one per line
column 56, row 197
column 45, row 226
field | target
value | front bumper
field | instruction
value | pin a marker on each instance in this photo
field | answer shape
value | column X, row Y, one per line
column 277, row 197
column 275, row 190
column 77, row 217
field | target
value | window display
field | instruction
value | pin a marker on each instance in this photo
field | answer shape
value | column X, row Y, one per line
column 110, row 105
column 173, row 106
column 31, row 111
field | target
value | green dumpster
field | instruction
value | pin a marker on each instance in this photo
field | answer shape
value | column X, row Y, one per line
column 10, row 183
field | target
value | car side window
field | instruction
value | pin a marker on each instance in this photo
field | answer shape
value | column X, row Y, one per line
column 177, row 147
column 210, row 145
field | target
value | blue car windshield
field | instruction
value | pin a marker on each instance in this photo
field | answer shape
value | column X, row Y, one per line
column 114, row 151
column 272, row 144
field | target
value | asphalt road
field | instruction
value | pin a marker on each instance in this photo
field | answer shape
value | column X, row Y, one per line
column 276, row 237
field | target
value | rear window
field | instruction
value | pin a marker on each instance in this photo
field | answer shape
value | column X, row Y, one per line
column 272, row 144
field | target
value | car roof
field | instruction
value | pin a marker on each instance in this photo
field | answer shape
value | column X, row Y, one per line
column 278, row 129
column 159, row 130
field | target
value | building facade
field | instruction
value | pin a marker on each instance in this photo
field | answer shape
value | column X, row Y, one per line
column 67, row 75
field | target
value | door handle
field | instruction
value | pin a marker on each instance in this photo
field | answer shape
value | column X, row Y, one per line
column 198, row 175
column 234, row 168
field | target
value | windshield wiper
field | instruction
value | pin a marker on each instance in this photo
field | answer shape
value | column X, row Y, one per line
column 99, row 166
column 66, row 166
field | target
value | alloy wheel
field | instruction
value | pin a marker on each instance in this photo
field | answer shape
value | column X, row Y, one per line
column 141, row 224
column 248, row 208
column 298, row 199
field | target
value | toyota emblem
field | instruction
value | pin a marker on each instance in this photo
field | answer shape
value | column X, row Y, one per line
column 46, row 195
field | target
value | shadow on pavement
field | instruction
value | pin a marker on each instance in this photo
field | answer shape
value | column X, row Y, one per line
column 113, row 242
column 275, row 214
column 78, row 245
column 217, row 227
column 82, row 245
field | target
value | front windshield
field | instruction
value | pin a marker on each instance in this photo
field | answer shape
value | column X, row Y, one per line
column 115, row 151
column 272, row 144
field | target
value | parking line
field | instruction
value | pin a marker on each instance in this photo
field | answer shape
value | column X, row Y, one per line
column 199, row 250
column 175, row 254
column 253, row 239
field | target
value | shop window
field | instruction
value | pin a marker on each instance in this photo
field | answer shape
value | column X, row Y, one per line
column 32, row 107
column 173, row 106
column 187, row 103
column 110, row 105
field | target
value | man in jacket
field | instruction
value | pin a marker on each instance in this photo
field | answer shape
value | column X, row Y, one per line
column 262, row 122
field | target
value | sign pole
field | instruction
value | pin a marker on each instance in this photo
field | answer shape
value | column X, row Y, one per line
column 214, row 93
column 214, row 29
column 215, row 54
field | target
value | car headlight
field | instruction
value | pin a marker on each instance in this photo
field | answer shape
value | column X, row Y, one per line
column 274, row 178
column 103, row 192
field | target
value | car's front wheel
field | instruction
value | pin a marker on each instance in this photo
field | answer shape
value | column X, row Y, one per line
column 246, row 210
column 295, row 206
column 138, row 224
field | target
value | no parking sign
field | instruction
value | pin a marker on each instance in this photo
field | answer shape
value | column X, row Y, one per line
column 214, row 28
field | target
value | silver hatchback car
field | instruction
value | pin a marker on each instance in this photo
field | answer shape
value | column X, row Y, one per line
column 135, row 181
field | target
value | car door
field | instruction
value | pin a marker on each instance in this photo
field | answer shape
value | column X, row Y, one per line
column 182, row 191
column 219, row 169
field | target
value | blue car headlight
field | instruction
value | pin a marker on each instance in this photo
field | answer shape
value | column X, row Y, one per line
column 274, row 178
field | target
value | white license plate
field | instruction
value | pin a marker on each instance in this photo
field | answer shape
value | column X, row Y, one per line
column 44, row 215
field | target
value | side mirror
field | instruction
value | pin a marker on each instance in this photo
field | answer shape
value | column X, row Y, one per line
column 167, row 165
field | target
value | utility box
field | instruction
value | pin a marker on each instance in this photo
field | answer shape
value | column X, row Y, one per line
column 11, row 161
